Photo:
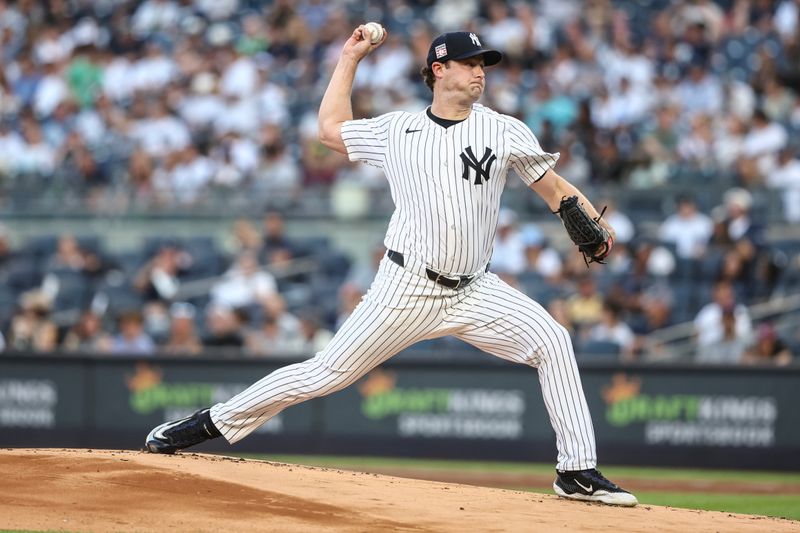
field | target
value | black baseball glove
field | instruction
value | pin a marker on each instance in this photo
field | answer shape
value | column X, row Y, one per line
column 592, row 239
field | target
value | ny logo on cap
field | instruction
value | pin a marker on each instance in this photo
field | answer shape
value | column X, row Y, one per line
column 475, row 41
column 481, row 167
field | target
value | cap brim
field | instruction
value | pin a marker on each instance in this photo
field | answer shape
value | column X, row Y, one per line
column 490, row 57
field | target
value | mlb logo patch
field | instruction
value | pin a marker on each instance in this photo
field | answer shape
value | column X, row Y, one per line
column 440, row 50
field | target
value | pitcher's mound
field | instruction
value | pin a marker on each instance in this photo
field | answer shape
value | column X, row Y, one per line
column 102, row 490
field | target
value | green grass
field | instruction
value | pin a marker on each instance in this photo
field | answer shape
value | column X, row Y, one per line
column 677, row 474
column 778, row 505
column 784, row 506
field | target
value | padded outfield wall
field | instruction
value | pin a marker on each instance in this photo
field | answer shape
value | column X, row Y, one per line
column 645, row 415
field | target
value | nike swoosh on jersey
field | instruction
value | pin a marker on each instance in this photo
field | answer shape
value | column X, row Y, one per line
column 411, row 131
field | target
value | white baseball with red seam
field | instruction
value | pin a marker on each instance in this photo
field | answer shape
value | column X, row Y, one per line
column 375, row 31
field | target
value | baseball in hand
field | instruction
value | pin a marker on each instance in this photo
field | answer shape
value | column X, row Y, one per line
column 375, row 32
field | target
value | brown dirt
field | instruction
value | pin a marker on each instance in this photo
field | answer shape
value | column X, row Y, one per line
column 101, row 490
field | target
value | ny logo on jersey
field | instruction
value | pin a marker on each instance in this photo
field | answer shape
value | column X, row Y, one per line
column 482, row 168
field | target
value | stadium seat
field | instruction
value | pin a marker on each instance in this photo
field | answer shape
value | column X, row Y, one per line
column 597, row 350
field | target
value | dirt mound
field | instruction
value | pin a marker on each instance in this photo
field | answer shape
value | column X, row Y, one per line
column 101, row 490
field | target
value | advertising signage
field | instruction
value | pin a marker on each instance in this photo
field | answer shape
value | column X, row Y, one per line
column 642, row 415
column 702, row 409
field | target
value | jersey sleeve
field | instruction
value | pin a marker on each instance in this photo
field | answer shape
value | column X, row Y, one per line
column 528, row 159
column 366, row 140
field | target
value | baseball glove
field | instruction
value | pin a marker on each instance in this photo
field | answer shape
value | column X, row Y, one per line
column 592, row 239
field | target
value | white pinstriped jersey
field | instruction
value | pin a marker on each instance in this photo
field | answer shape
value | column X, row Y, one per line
column 446, row 182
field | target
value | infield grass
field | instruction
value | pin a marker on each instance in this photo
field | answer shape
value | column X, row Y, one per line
column 778, row 503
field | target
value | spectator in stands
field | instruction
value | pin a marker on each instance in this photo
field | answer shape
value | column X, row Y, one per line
column 733, row 270
column 362, row 274
column 278, row 178
column 611, row 328
column 622, row 224
column 246, row 236
column 159, row 278
column 313, row 335
column 729, row 141
column 585, row 307
column 700, row 91
column 279, row 325
column 68, row 255
column 658, row 148
column 86, row 335
column 768, row 349
column 736, row 229
column 688, row 229
column 160, row 132
column 730, row 347
column 763, row 142
column 558, row 309
column 27, row 79
column 275, row 241
column 777, row 100
column 539, row 257
column 183, row 339
column 508, row 256
column 271, row 339
column 244, row 284
column 786, row 179
column 320, row 164
column 32, row 329
column 139, row 176
column 696, row 148
column 349, row 297
column 709, row 325
column 6, row 250
column 652, row 310
column 35, row 157
column 131, row 338
column 225, row 327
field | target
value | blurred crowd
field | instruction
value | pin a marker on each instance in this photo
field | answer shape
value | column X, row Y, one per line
column 698, row 268
column 173, row 296
column 118, row 104
column 273, row 295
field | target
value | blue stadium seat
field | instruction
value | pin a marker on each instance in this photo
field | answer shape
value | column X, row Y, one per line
column 598, row 350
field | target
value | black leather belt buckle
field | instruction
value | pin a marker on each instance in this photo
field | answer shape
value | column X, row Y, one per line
column 447, row 281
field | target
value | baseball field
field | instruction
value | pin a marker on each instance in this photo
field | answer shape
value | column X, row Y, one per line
column 106, row 490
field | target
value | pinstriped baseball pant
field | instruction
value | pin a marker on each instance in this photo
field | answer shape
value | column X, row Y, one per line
column 402, row 308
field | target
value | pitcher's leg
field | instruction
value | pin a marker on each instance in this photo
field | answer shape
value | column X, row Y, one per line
column 372, row 334
column 504, row 322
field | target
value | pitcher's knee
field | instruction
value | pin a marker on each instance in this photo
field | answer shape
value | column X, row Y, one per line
column 323, row 379
column 558, row 345
column 564, row 337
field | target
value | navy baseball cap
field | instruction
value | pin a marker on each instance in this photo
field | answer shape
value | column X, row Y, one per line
column 460, row 45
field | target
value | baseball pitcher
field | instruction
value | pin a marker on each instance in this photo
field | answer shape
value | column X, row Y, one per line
column 446, row 167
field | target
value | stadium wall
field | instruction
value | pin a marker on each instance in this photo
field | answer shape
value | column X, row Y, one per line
column 687, row 416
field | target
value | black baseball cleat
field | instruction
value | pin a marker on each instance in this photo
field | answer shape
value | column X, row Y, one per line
column 170, row 437
column 591, row 486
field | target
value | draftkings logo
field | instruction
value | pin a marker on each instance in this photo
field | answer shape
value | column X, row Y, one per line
column 149, row 393
column 442, row 412
column 690, row 419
